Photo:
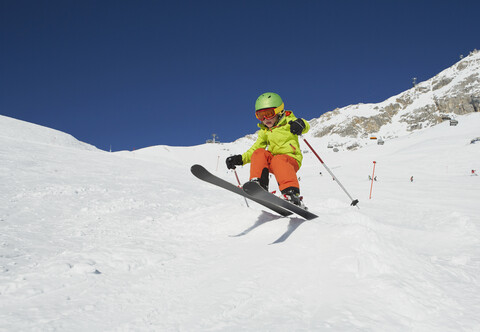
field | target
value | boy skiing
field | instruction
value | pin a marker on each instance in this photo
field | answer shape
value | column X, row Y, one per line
column 277, row 149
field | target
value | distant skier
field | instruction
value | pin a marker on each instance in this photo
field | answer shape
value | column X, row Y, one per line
column 473, row 173
column 369, row 178
column 375, row 178
column 411, row 178
column 279, row 130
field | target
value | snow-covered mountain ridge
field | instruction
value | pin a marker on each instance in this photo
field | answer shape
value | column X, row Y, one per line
column 454, row 91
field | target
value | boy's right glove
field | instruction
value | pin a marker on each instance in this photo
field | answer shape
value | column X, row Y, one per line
column 232, row 161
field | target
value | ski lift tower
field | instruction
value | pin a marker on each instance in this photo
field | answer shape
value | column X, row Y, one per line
column 213, row 138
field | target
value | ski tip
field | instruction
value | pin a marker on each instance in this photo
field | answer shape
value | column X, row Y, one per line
column 196, row 167
column 198, row 170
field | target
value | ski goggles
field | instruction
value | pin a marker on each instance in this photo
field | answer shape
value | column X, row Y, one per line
column 268, row 113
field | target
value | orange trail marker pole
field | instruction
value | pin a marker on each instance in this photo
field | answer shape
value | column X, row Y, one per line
column 373, row 175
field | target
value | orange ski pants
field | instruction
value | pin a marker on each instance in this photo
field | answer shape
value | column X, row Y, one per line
column 282, row 166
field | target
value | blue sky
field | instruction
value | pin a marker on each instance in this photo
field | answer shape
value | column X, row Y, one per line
column 133, row 74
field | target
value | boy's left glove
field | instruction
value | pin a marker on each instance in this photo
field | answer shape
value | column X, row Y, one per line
column 297, row 126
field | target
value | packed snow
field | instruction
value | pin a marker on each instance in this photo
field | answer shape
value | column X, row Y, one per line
column 132, row 241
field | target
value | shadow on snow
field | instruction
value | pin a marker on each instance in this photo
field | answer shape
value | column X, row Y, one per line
column 292, row 226
column 267, row 217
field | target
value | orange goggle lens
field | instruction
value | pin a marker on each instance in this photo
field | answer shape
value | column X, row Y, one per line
column 266, row 113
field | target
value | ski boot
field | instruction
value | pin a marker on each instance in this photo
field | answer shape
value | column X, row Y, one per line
column 292, row 195
column 260, row 182
column 263, row 180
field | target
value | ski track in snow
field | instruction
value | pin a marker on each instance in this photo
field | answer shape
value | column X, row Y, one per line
column 132, row 241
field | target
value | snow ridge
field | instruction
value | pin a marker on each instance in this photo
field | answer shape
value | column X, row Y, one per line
column 32, row 133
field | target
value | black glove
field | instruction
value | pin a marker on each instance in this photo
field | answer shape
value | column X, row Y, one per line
column 297, row 126
column 234, row 160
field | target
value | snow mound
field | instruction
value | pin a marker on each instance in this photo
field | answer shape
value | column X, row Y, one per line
column 14, row 129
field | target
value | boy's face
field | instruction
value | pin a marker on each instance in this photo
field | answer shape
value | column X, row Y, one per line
column 270, row 122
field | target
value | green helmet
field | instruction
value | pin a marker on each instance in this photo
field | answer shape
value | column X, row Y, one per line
column 268, row 100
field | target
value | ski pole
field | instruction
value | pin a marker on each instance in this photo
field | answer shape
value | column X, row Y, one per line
column 354, row 201
column 239, row 184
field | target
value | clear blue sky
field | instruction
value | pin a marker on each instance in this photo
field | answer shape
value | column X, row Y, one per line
column 133, row 74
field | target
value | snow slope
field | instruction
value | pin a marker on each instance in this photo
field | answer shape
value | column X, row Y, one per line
column 92, row 240
column 29, row 132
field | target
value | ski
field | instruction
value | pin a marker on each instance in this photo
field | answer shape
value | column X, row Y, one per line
column 255, row 190
column 201, row 173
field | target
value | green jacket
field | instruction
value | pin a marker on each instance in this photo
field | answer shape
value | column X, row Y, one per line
column 278, row 139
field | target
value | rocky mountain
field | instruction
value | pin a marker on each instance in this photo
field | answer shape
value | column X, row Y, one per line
column 454, row 91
